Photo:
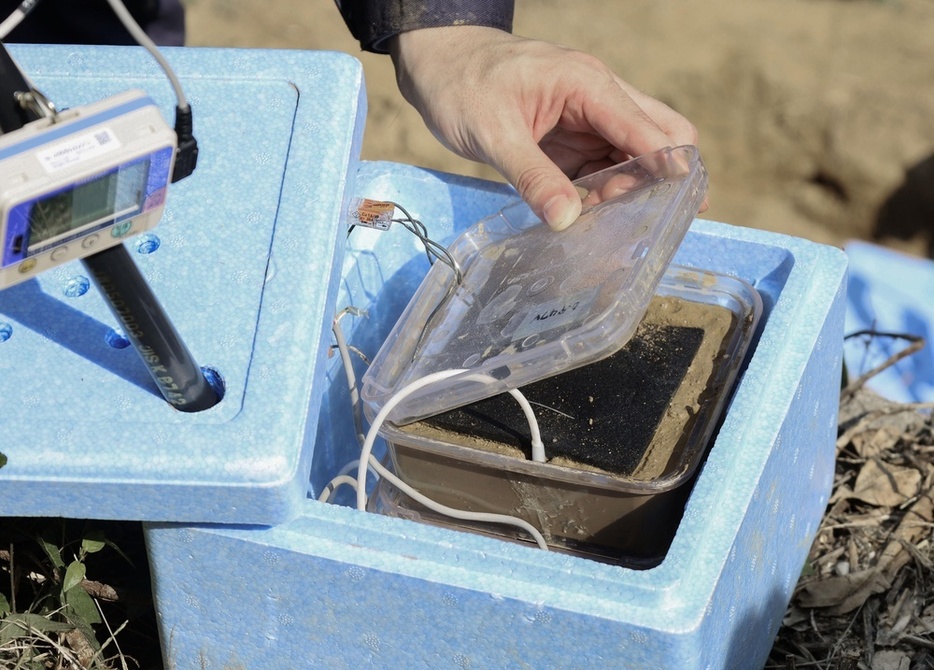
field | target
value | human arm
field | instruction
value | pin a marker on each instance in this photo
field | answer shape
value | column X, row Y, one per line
column 539, row 113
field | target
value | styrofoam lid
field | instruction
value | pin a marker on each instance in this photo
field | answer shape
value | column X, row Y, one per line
column 532, row 302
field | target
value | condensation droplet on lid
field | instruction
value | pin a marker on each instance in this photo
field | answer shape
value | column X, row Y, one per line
column 6, row 331
column 540, row 285
column 530, row 340
column 76, row 286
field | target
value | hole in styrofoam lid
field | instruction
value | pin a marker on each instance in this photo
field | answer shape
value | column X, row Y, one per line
column 215, row 380
column 116, row 338
column 6, row 331
column 76, row 286
column 148, row 243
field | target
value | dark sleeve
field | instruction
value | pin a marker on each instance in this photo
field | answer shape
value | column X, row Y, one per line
column 372, row 22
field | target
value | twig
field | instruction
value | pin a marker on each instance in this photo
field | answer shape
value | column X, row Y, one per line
column 832, row 652
column 917, row 343
column 920, row 641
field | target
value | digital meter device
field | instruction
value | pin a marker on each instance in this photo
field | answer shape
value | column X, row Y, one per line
column 81, row 181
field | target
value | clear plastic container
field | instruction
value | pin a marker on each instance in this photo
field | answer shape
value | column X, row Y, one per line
column 618, row 498
column 530, row 302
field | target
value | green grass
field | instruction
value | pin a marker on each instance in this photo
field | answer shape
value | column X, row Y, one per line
column 75, row 595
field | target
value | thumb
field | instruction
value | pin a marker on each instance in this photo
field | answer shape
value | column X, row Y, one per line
column 546, row 190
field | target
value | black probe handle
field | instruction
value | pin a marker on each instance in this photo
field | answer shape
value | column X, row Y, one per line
column 146, row 325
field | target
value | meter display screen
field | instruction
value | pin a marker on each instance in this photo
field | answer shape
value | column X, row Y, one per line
column 85, row 205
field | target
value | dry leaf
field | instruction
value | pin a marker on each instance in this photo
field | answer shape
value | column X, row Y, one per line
column 893, row 624
column 873, row 442
column 885, row 484
column 795, row 616
column 840, row 495
column 889, row 659
column 843, row 593
column 83, row 651
column 913, row 525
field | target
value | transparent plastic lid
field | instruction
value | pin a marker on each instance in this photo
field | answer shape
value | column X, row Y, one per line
column 531, row 302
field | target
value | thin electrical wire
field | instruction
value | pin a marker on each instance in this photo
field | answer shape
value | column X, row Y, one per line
column 432, row 248
column 347, row 362
column 144, row 41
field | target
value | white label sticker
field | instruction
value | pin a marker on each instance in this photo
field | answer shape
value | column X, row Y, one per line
column 78, row 148
column 555, row 313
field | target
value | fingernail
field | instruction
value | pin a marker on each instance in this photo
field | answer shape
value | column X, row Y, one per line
column 560, row 212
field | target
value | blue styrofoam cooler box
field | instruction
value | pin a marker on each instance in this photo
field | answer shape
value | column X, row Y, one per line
column 346, row 589
column 84, row 428
column 890, row 292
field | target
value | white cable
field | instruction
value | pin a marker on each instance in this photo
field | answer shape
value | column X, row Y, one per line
column 143, row 40
column 377, row 422
column 368, row 462
column 538, row 447
column 340, row 478
column 16, row 17
column 10, row 22
column 334, row 484
column 366, row 458
column 482, row 517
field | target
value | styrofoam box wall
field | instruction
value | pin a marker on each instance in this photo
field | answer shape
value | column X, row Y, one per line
column 345, row 589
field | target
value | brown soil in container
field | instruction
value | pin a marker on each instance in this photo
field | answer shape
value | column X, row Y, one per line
column 630, row 414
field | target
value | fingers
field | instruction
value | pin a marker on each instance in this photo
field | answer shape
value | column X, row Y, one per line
column 679, row 129
column 548, row 192
column 597, row 139
column 543, row 186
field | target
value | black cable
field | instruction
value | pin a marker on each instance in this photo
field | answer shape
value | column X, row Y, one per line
column 186, row 158
column 129, row 297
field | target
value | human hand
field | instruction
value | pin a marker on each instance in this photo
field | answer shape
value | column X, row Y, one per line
column 539, row 113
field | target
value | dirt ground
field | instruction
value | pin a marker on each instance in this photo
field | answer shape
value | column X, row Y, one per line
column 816, row 116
